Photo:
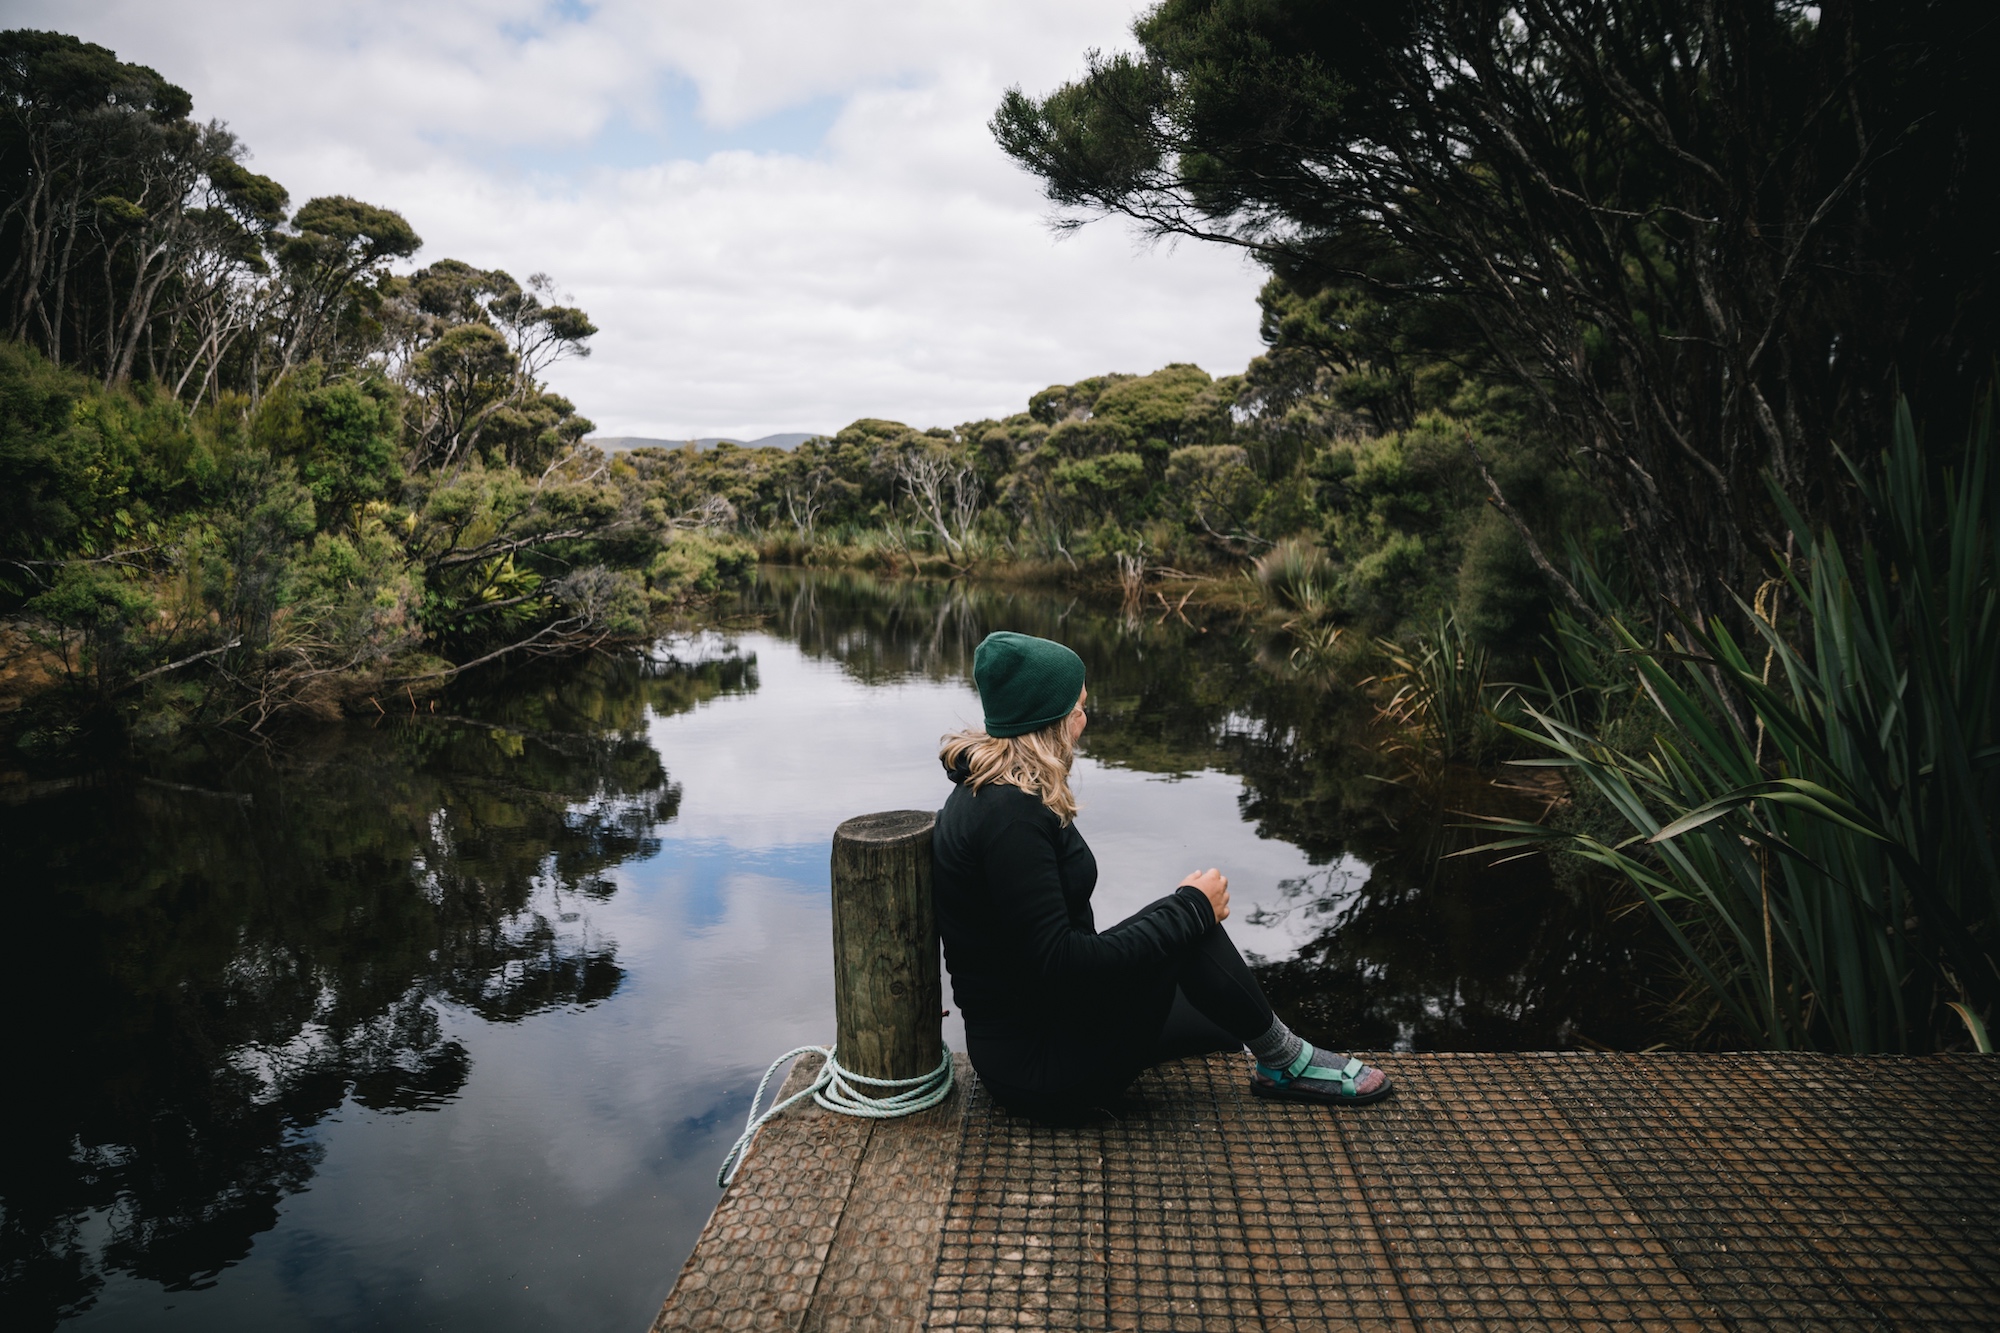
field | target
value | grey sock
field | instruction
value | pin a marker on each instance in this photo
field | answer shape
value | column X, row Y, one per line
column 1278, row 1047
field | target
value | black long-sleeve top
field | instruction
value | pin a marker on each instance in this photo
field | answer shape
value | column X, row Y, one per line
column 1012, row 886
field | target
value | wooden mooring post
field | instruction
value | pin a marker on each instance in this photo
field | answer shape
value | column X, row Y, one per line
column 888, row 1002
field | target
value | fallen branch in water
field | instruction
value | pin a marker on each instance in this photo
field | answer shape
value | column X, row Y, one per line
column 185, row 661
column 574, row 644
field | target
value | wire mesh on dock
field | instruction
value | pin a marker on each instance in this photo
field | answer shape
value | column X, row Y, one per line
column 1492, row 1192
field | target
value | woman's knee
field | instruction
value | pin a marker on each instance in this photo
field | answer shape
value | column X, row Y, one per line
column 1219, row 983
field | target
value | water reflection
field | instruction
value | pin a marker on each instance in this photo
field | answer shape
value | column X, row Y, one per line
column 1381, row 939
column 444, row 1019
column 232, row 951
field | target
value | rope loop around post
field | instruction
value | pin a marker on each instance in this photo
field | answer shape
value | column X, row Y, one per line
column 840, row 1090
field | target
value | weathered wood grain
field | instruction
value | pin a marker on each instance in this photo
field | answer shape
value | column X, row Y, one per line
column 888, row 999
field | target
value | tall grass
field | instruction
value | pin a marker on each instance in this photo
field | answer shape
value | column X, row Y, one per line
column 1295, row 574
column 1296, row 577
column 1814, row 819
column 1438, row 690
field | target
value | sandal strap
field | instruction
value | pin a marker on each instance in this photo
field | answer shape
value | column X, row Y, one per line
column 1348, row 1075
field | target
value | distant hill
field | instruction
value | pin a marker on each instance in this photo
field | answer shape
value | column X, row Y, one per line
column 788, row 440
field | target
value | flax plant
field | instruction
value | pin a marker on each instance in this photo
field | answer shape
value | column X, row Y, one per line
column 1440, row 686
column 1813, row 821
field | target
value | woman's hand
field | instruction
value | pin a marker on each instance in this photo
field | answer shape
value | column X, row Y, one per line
column 1214, row 886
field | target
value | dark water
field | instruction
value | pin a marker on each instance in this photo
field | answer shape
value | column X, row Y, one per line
column 443, row 1020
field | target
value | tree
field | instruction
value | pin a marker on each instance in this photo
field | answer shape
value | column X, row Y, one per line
column 541, row 334
column 1218, row 492
column 135, row 241
column 1711, row 239
column 471, row 344
column 812, row 485
column 331, row 265
column 461, row 380
column 943, row 486
column 323, row 463
column 235, row 214
column 144, row 235
column 91, row 149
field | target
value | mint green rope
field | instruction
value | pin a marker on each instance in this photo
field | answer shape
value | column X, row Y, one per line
column 834, row 1088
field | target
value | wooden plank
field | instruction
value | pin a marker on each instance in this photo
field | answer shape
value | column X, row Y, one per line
column 1905, row 1180
column 758, row 1260
column 1730, row 1180
column 878, row 1274
column 1024, row 1231
column 1316, row 1256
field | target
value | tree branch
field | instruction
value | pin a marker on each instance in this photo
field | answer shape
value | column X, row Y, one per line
column 1549, row 571
column 176, row 666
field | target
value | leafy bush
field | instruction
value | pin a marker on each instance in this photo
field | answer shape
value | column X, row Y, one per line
column 99, row 611
column 1438, row 685
column 285, row 553
column 1814, row 819
column 697, row 562
column 1296, row 574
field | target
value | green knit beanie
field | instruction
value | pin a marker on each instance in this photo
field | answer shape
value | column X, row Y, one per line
column 1025, row 683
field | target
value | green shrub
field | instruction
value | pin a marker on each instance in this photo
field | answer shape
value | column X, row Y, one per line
column 699, row 563
column 1501, row 599
column 1295, row 574
column 1813, row 819
column 100, row 614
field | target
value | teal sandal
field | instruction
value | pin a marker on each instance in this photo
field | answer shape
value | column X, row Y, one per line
column 1304, row 1081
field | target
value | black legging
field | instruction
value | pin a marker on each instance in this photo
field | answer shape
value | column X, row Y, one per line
column 1211, row 1002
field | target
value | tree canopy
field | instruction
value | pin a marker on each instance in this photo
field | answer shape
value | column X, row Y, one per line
column 1713, row 241
column 249, row 438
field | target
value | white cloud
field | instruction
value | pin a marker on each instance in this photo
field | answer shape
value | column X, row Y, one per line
column 782, row 214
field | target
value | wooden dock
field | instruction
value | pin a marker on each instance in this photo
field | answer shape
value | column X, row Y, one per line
column 1521, row 1191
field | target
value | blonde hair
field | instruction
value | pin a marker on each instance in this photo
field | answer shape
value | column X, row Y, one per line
column 1038, row 763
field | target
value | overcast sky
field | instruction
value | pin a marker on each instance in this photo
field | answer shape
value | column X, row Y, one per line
column 782, row 214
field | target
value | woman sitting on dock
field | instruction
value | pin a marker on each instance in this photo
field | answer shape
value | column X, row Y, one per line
column 1058, row 1017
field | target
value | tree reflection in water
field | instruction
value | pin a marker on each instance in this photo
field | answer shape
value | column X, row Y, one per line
column 210, row 960
column 1425, row 950
column 213, row 957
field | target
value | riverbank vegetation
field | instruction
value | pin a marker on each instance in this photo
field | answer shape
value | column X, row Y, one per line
column 1275, row 481
column 251, row 460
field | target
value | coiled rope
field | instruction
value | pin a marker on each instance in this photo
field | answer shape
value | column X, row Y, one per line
column 834, row 1088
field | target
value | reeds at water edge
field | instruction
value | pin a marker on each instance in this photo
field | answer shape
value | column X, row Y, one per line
column 1813, row 819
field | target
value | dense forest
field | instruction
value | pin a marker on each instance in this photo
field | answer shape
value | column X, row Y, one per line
column 1625, row 409
column 1124, row 480
column 251, row 460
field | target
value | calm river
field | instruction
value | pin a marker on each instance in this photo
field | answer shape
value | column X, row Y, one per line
column 443, row 1020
